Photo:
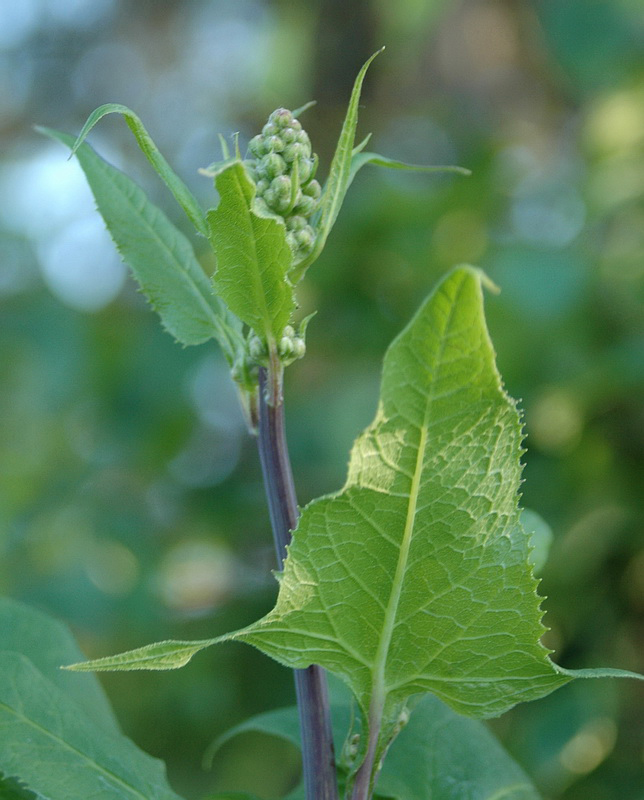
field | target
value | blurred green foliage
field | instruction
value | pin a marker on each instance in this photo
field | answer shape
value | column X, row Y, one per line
column 131, row 503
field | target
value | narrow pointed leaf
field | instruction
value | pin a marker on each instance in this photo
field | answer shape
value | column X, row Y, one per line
column 159, row 255
column 253, row 256
column 59, row 753
column 182, row 194
column 361, row 159
column 340, row 177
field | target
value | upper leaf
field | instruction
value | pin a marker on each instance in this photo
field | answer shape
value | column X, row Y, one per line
column 182, row 194
column 253, row 257
column 160, row 256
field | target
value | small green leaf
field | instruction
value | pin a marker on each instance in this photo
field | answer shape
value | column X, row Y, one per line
column 361, row 159
column 253, row 257
column 182, row 194
column 58, row 752
column 160, row 256
column 339, row 178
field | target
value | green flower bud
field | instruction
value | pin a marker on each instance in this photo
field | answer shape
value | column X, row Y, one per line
column 262, row 185
column 288, row 136
column 299, row 348
column 270, row 129
column 256, row 146
column 305, row 168
column 296, row 151
column 295, row 223
column 303, row 138
column 305, row 238
column 296, row 125
column 305, row 206
column 285, row 347
column 282, row 118
column 278, row 194
column 271, row 166
column 312, row 189
column 274, row 144
column 289, row 331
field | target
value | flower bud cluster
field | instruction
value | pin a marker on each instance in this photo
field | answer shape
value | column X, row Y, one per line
column 289, row 348
column 283, row 168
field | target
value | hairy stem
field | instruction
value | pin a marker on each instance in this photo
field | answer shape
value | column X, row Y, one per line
column 310, row 684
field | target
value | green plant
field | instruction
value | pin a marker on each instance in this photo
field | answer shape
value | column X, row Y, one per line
column 413, row 584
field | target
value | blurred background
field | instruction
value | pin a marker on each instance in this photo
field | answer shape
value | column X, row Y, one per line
column 131, row 502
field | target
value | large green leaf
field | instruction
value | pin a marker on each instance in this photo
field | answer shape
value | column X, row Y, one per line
column 160, row 256
column 253, row 256
column 59, row 753
column 48, row 643
column 182, row 194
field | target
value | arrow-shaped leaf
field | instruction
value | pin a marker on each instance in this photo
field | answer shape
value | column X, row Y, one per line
column 416, row 576
column 159, row 255
column 253, row 256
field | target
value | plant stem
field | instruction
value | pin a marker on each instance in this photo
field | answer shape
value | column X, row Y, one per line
column 318, row 760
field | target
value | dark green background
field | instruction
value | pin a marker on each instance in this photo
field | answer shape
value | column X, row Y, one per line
column 131, row 502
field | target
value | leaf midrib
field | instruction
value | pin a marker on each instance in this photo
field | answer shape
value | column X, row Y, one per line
column 379, row 689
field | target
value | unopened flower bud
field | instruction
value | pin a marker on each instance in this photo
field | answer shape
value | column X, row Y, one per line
column 305, row 238
column 270, row 129
column 296, row 222
column 305, row 168
column 285, row 347
column 289, row 331
column 274, row 144
column 295, row 151
column 262, row 185
column 299, row 348
column 282, row 118
column 306, row 206
column 256, row 146
column 288, row 135
column 278, row 194
column 312, row 189
column 271, row 166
